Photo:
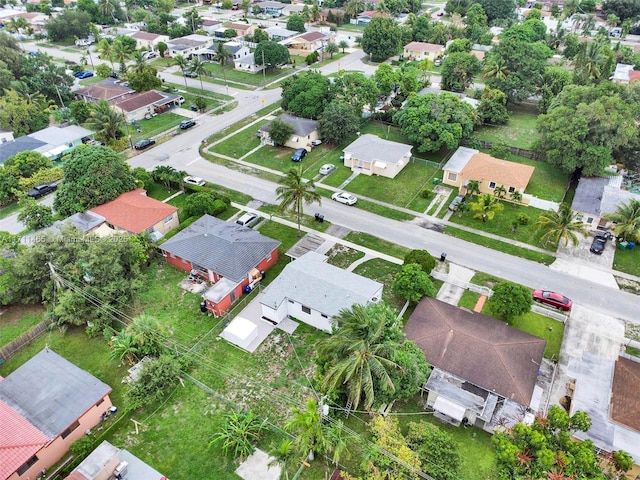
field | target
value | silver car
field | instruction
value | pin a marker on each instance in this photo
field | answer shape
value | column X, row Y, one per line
column 344, row 197
column 327, row 168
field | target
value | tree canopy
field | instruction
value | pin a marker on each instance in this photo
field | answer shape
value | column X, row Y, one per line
column 381, row 39
column 271, row 54
column 306, row 94
column 458, row 70
column 509, row 300
column 498, row 9
column 69, row 24
column 432, row 121
column 338, row 122
column 296, row 23
column 413, row 283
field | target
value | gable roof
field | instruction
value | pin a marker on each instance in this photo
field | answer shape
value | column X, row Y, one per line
column 301, row 126
column 371, row 147
column 625, row 393
column 61, row 135
column 19, row 440
column 104, row 90
column 51, row 393
column 147, row 36
column 311, row 281
column 423, row 47
column 477, row 348
column 229, row 249
column 139, row 100
column 589, row 194
column 475, row 165
column 311, row 36
column 134, row 212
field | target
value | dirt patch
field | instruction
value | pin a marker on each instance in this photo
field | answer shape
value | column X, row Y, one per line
column 12, row 314
column 627, row 285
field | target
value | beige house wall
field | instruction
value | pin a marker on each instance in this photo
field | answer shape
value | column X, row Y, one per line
column 297, row 141
column 457, row 180
column 367, row 167
column 164, row 226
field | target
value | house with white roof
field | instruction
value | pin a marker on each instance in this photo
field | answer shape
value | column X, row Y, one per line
column 189, row 45
column 313, row 291
column 372, row 155
column 147, row 40
column 52, row 142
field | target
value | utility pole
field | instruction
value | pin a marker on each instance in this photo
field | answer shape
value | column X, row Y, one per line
column 264, row 71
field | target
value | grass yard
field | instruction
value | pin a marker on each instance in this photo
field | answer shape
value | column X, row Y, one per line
column 543, row 327
column 274, row 107
column 306, row 220
column 382, row 271
column 342, row 256
column 500, row 246
column 18, row 319
column 90, row 81
column 469, row 300
column 279, row 158
column 627, row 261
column 154, row 126
column 9, row 209
column 248, row 79
column 238, row 145
column 547, row 182
column 520, row 131
column 377, row 244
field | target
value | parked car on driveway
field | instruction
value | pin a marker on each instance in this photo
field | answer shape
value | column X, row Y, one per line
column 455, row 203
column 83, row 75
column 327, row 168
column 344, row 197
column 299, row 154
column 599, row 242
column 187, row 124
column 42, row 190
column 552, row 299
column 146, row 143
column 249, row 220
column 194, row 181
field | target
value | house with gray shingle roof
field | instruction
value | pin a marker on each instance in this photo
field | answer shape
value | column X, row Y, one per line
column 45, row 405
column 228, row 256
column 304, row 132
column 371, row 155
column 313, row 292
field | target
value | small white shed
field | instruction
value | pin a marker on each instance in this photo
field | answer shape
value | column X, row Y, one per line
column 241, row 332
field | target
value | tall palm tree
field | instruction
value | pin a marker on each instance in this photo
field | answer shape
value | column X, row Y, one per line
column 354, row 7
column 336, row 441
column 590, row 61
column 588, row 24
column 147, row 333
column 343, row 44
column 284, row 456
column 197, row 66
column 495, row 67
column 560, row 226
column 182, row 63
column 123, row 347
column 106, row 8
column 487, row 205
column 106, row 122
column 627, row 219
column 139, row 63
column 362, row 356
column 105, row 49
column 294, row 192
column 222, row 56
column 306, row 425
column 122, row 52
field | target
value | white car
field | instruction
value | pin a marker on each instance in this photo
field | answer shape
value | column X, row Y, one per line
column 149, row 54
column 343, row 197
column 194, row 181
column 327, row 168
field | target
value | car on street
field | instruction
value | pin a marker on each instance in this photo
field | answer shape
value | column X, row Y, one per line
column 299, row 154
column 344, row 197
column 327, row 168
column 552, row 299
column 455, row 203
column 114, row 75
column 194, row 181
column 249, row 220
column 145, row 143
column 599, row 242
column 187, row 124
column 83, row 75
column 190, row 74
column 42, row 190
column 149, row 54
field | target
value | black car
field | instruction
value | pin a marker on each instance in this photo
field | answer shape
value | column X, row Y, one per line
column 42, row 190
column 190, row 74
column 299, row 154
column 187, row 124
column 599, row 241
column 142, row 144
column 114, row 75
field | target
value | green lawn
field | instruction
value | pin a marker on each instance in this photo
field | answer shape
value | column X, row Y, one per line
column 627, row 261
column 382, row 271
column 372, row 207
column 547, row 182
column 306, row 220
column 154, row 126
column 9, row 209
column 238, row 145
column 18, row 319
column 250, row 79
column 90, row 81
column 377, row 244
column 520, row 131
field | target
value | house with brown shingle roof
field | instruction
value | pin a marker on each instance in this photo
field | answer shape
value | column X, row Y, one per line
column 103, row 90
column 145, row 104
column 468, row 164
column 625, row 394
column 134, row 212
column 420, row 50
column 483, row 368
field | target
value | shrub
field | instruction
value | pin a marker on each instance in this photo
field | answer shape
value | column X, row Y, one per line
column 523, row 219
column 46, row 175
column 422, row 258
column 426, row 193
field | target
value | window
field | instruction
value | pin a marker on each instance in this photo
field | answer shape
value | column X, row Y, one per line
column 100, row 402
column 149, row 230
column 452, row 176
column 269, row 258
column 324, row 316
column 579, row 217
column 168, row 219
column 590, row 220
column 306, row 310
column 27, row 465
column 512, row 189
column 232, row 296
column 492, row 185
column 68, row 431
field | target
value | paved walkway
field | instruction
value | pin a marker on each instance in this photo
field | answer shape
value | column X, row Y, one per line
column 451, row 293
column 358, row 262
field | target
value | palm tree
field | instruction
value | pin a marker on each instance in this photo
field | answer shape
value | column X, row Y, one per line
column 561, row 225
column 343, row 44
column 331, row 49
column 354, row 7
column 123, row 347
column 500, row 191
column 590, row 61
column 284, row 456
column 164, row 174
column 473, row 187
column 363, row 356
column 182, row 63
column 147, row 333
column 31, row 98
column 627, row 219
column 239, row 433
column 221, row 56
column 106, row 122
column 197, row 66
column 516, row 196
column 496, row 68
column 315, row 13
column 336, row 441
column 306, row 425
column 122, row 52
column 486, row 206
column 139, row 63
column 16, row 24
column 106, row 8
column 589, row 23
column 295, row 191
column 105, row 48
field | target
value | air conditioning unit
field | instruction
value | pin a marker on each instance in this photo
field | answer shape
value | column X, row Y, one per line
column 121, row 470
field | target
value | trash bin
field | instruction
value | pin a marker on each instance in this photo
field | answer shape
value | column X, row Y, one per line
column 203, row 307
column 436, row 181
column 443, row 257
column 193, row 108
column 622, row 245
column 319, row 217
column 247, row 289
column 630, row 245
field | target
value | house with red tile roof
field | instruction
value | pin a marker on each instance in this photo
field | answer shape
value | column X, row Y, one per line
column 46, row 405
column 134, row 212
column 420, row 50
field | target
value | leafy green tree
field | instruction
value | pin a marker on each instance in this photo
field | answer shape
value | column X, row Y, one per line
column 386, row 78
column 509, row 300
column 421, row 257
column 460, row 45
column 284, row 456
column 627, row 220
column 357, row 90
column 432, row 121
column 106, row 122
column 473, row 187
column 498, row 9
column 387, row 437
column 296, row 23
column 312, row 58
column 201, row 203
column 8, row 186
column 624, row 9
column 381, row 39
column 27, row 163
column 22, row 115
column 40, row 77
column 193, row 20
column 144, row 79
column 280, row 132
column 156, row 379
column 553, row 81
column 68, row 24
column 437, row 449
column 360, row 355
column 306, row 94
column 306, row 425
column 413, row 283
column 34, row 215
column 560, row 226
column 239, row 433
column 338, row 122
column 493, row 107
column 458, row 70
column 486, row 205
column 271, row 54
column 93, row 175
column 80, row 110
column 201, row 103
column 294, row 192
column 162, row 48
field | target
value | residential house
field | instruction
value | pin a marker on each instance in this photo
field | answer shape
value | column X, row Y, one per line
column 248, row 64
column 625, row 74
column 293, row 9
column 35, row 20
column 52, row 142
column 624, row 407
column 372, row 155
column 237, row 50
column 596, row 197
column 307, row 43
column 304, row 132
column 241, row 29
column 83, row 222
column 313, row 291
column 277, row 34
column 6, row 135
column 106, row 89
column 189, row 45
column 148, row 41
column 471, row 101
column 273, row 9
column 484, row 371
column 364, row 18
column 133, row 212
column 421, row 50
column 107, row 461
column 145, row 104
column 210, row 25
column 229, row 256
column 467, row 164
column 46, row 405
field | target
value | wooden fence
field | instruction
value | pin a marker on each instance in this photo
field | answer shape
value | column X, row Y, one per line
column 515, row 150
column 23, row 340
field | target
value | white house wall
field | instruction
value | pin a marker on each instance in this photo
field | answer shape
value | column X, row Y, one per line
column 314, row 318
column 276, row 314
